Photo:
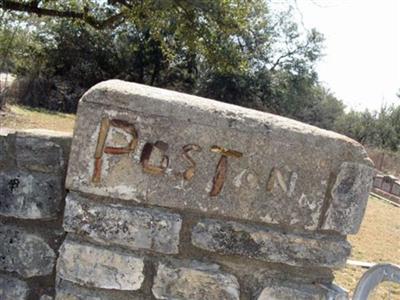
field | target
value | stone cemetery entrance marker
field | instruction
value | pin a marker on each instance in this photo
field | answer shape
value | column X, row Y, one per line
column 202, row 183
column 163, row 148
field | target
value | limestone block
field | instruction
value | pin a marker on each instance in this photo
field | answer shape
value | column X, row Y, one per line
column 77, row 294
column 231, row 238
column 387, row 183
column 36, row 153
column 25, row 253
column 378, row 181
column 12, row 288
column 396, row 188
column 7, row 141
column 289, row 291
column 30, row 195
column 4, row 148
column 60, row 138
column 195, row 282
column 348, row 198
column 169, row 149
column 97, row 267
column 135, row 228
column 68, row 291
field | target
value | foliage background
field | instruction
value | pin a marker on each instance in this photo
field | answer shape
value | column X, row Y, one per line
column 239, row 52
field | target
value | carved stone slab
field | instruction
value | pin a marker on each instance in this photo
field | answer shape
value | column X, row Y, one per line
column 169, row 149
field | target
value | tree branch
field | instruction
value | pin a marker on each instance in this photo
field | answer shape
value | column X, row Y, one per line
column 122, row 2
column 32, row 7
column 289, row 53
column 280, row 58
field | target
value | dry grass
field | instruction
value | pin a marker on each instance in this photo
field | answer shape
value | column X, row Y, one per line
column 20, row 117
column 377, row 241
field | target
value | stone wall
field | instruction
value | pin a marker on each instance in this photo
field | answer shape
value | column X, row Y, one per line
column 386, row 182
column 170, row 196
column 173, row 196
column 32, row 172
column 387, row 186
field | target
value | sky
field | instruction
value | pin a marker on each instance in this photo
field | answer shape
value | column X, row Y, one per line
column 361, row 65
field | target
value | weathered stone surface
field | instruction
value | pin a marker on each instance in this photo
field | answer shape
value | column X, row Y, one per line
column 348, row 198
column 30, row 195
column 37, row 153
column 289, row 291
column 231, row 238
column 378, row 181
column 4, row 148
column 169, row 149
column 12, row 288
column 61, row 138
column 7, row 149
column 254, row 274
column 136, row 228
column 68, row 291
column 386, row 185
column 78, row 294
column 98, row 267
column 195, row 282
column 46, row 297
column 27, row 254
column 396, row 188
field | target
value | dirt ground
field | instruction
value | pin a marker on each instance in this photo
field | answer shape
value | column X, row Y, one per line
column 378, row 241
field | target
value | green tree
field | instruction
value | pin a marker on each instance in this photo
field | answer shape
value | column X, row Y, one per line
column 209, row 29
column 378, row 128
column 233, row 51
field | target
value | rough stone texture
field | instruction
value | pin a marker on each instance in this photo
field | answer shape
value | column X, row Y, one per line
column 288, row 291
column 4, row 148
column 195, row 282
column 30, row 195
column 396, row 188
column 348, row 198
column 38, row 154
column 32, row 171
column 279, row 172
column 136, row 228
column 68, row 291
column 231, row 238
column 159, row 149
column 378, row 181
column 98, row 267
column 61, row 138
column 34, row 149
column 386, row 185
column 27, row 254
column 3, row 154
column 12, row 288
column 254, row 275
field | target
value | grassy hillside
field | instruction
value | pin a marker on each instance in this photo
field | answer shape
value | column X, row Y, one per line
column 377, row 241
